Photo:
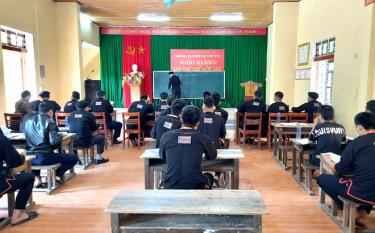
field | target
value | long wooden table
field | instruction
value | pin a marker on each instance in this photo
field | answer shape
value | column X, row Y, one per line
column 227, row 161
column 192, row 211
column 280, row 132
column 26, row 167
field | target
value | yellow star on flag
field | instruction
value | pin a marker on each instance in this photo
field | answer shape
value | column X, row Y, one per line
column 141, row 50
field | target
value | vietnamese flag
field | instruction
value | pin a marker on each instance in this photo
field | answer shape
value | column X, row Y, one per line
column 137, row 50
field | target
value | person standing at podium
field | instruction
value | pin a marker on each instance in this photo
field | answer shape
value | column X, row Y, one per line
column 175, row 84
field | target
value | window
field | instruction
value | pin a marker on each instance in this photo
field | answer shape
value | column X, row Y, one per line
column 323, row 70
column 13, row 40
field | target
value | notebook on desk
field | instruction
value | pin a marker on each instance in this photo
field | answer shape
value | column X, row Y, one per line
column 334, row 157
column 303, row 141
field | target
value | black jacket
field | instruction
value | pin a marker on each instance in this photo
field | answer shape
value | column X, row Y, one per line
column 162, row 106
column 278, row 107
column 174, row 83
column 102, row 105
column 144, row 109
column 34, row 105
column 164, row 124
column 70, row 106
column 10, row 156
column 182, row 149
column 166, row 112
column 310, row 107
column 221, row 112
column 83, row 124
column 41, row 134
column 255, row 105
column 358, row 159
column 213, row 126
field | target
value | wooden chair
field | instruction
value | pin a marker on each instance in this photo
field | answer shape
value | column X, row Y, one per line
column 272, row 118
column 315, row 115
column 61, row 119
column 238, row 117
column 135, row 120
column 103, row 130
column 252, row 126
column 13, row 121
column 298, row 117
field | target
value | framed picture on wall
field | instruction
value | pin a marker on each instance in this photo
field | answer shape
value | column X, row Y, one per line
column 303, row 54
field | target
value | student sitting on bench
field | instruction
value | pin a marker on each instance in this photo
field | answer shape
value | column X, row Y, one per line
column 182, row 149
column 218, row 110
column 327, row 134
column 163, row 105
column 279, row 105
column 310, row 107
column 167, row 123
column 211, row 124
column 357, row 160
column 169, row 103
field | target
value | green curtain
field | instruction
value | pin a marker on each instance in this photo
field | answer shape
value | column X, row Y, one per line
column 111, row 56
column 245, row 59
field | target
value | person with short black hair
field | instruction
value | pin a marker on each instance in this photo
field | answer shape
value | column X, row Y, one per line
column 101, row 104
column 358, row 161
column 206, row 94
column 42, row 138
column 327, row 134
column 146, row 111
column 22, row 182
column 23, row 105
column 370, row 106
column 167, row 111
column 167, row 123
column 175, row 84
column 45, row 98
column 211, row 124
column 279, row 105
column 163, row 105
column 254, row 105
column 182, row 149
column 83, row 124
column 70, row 106
column 218, row 110
column 310, row 107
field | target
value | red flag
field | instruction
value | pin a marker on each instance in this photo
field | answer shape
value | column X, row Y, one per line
column 137, row 50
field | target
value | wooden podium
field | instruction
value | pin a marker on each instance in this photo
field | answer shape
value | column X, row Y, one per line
column 135, row 92
column 250, row 88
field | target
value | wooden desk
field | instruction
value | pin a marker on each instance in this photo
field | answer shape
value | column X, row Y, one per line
column 227, row 161
column 280, row 131
column 11, row 196
column 301, row 149
column 191, row 211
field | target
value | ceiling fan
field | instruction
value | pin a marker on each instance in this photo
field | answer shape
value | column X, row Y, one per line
column 168, row 3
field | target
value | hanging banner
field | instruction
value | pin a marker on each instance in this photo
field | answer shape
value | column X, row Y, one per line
column 197, row 59
column 182, row 31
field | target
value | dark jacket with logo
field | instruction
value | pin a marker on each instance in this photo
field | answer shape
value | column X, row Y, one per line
column 310, row 107
column 213, row 126
column 83, row 124
column 70, row 106
column 278, row 107
column 102, row 105
column 164, row 124
column 255, row 105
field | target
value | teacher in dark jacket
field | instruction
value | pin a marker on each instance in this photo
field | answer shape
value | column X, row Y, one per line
column 10, row 182
column 175, row 84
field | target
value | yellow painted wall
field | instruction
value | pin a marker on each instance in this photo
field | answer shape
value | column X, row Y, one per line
column 353, row 26
column 281, row 54
column 57, row 43
column 91, row 62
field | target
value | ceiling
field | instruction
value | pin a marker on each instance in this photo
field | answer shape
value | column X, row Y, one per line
column 257, row 13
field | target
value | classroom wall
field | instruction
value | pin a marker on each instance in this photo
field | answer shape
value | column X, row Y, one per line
column 281, row 54
column 353, row 26
column 57, row 43
column 91, row 62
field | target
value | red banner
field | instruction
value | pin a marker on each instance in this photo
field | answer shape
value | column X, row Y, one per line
column 368, row 2
column 182, row 31
column 137, row 50
column 197, row 59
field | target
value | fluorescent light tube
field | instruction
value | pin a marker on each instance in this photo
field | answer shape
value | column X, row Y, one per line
column 227, row 17
column 153, row 17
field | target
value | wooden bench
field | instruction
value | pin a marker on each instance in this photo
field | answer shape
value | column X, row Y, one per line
column 87, row 156
column 193, row 211
column 50, row 177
